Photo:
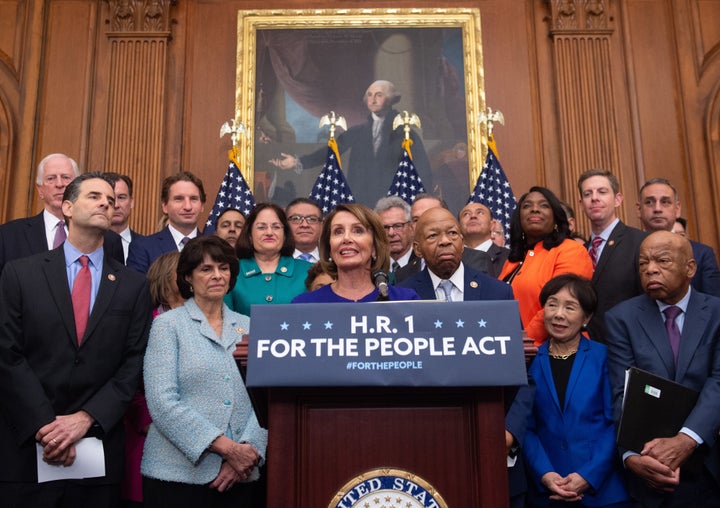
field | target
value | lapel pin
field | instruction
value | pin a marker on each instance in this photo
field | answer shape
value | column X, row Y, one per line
column 473, row 284
column 111, row 277
column 240, row 330
column 611, row 243
column 283, row 269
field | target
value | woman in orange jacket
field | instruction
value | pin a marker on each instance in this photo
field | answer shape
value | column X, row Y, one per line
column 540, row 249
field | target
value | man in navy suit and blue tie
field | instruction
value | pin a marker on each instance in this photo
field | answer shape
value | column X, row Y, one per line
column 672, row 331
column 183, row 198
column 439, row 242
column 445, row 277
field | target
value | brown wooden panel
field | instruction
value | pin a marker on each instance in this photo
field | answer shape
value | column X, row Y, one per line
column 322, row 438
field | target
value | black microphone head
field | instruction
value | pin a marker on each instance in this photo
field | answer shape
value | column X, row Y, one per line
column 379, row 277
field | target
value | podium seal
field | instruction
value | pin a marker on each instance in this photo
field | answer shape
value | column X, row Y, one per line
column 389, row 488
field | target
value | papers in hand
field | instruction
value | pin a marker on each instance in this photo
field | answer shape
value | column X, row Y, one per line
column 89, row 462
column 652, row 407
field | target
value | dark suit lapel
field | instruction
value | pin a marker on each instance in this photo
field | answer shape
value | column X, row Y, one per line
column 424, row 287
column 652, row 325
column 35, row 234
column 612, row 242
column 109, row 281
column 696, row 321
column 56, row 275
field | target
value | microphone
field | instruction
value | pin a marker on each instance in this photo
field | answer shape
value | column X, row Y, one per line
column 380, row 279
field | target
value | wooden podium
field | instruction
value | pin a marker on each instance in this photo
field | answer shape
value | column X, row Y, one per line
column 329, row 423
column 321, row 438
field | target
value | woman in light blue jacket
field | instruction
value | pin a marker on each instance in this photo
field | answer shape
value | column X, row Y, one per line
column 205, row 444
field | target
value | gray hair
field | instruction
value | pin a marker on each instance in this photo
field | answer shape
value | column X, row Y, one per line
column 41, row 166
column 386, row 203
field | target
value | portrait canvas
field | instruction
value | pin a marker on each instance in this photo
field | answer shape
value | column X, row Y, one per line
column 292, row 74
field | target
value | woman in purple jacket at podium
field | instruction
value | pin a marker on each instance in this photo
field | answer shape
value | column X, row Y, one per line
column 354, row 250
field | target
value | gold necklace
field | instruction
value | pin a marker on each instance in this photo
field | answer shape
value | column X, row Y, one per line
column 560, row 357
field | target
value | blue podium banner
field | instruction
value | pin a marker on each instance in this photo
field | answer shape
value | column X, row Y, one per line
column 420, row 343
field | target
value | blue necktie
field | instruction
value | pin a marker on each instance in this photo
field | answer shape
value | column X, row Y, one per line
column 446, row 286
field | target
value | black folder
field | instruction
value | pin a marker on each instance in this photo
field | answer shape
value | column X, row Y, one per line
column 653, row 407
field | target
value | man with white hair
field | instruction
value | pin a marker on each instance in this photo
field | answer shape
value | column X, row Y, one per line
column 376, row 148
column 47, row 230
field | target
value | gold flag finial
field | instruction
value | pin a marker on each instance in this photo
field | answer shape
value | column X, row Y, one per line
column 406, row 120
column 489, row 117
column 333, row 120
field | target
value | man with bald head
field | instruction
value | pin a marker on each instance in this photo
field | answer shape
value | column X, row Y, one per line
column 439, row 242
column 658, row 207
column 672, row 331
column 476, row 226
column 375, row 148
column 475, row 259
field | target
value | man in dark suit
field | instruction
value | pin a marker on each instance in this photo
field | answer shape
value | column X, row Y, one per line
column 183, row 198
column 672, row 331
column 394, row 214
column 439, row 242
column 375, row 148
column 476, row 226
column 613, row 245
column 658, row 206
column 32, row 235
column 73, row 330
column 123, row 186
column 478, row 260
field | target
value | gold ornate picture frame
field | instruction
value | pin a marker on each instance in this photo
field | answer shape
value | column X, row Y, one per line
column 294, row 66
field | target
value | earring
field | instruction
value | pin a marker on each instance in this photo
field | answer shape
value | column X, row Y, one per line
column 374, row 258
column 330, row 259
column 191, row 289
column 555, row 227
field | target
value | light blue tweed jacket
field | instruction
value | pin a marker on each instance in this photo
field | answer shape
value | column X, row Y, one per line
column 194, row 392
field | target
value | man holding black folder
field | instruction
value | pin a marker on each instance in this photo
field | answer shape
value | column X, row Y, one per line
column 671, row 331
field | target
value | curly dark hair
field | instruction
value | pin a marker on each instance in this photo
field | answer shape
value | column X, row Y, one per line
column 518, row 245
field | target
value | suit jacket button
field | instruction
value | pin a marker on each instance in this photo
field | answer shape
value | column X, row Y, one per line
column 269, row 298
column 268, row 278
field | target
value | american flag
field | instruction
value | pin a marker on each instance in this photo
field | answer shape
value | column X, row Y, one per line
column 331, row 187
column 407, row 183
column 493, row 189
column 233, row 193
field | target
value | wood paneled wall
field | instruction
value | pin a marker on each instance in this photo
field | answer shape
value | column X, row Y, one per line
column 142, row 87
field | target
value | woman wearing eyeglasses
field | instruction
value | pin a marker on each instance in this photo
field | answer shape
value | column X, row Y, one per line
column 268, row 272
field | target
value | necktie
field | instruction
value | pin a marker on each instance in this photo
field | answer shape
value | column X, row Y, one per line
column 81, row 297
column 671, row 326
column 184, row 242
column 395, row 266
column 306, row 256
column 60, row 235
column 447, row 286
column 596, row 242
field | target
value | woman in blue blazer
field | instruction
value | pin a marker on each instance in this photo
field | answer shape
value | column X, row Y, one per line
column 570, row 444
column 205, row 445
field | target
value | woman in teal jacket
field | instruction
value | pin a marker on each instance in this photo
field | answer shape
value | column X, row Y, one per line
column 268, row 272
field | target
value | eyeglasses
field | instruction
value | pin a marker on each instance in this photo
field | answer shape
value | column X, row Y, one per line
column 310, row 219
column 265, row 227
column 397, row 227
